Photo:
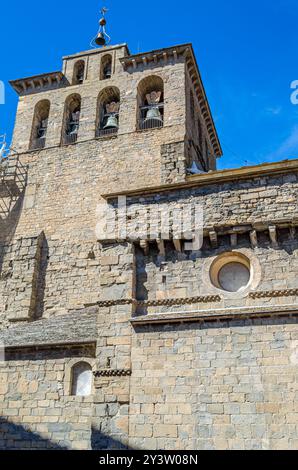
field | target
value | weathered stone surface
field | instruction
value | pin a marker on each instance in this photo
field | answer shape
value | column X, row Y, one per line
column 178, row 363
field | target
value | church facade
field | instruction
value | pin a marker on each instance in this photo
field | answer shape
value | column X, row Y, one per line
column 147, row 299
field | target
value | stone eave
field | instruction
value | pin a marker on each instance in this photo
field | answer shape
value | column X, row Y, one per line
column 149, row 56
column 37, row 83
column 214, row 177
column 187, row 51
column 91, row 342
column 96, row 51
column 228, row 314
column 77, row 328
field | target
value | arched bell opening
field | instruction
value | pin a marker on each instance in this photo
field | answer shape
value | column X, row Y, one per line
column 40, row 125
column 78, row 73
column 150, row 103
column 108, row 107
column 106, row 67
column 71, row 121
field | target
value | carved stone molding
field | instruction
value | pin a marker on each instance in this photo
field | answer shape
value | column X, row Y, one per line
column 274, row 293
column 161, row 302
column 182, row 301
column 112, row 373
column 111, row 303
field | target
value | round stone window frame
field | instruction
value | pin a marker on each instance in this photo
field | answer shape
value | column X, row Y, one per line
column 214, row 264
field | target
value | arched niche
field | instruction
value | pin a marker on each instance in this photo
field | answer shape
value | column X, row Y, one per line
column 81, row 379
column 106, row 67
column 40, row 124
column 78, row 72
column 71, row 119
column 150, row 98
column 108, row 107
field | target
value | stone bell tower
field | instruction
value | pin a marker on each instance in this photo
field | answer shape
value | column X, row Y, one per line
column 150, row 108
column 133, row 340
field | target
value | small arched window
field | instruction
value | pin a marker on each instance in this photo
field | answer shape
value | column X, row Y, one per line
column 106, row 67
column 71, row 121
column 40, row 125
column 108, row 107
column 150, row 103
column 81, row 379
column 78, row 73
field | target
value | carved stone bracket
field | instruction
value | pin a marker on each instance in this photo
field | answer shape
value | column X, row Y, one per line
column 213, row 239
column 178, row 245
column 273, row 235
column 144, row 244
column 161, row 247
column 253, row 238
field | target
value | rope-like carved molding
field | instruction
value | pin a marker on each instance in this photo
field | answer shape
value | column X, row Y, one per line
column 161, row 302
column 182, row 301
column 112, row 373
column 274, row 293
column 111, row 303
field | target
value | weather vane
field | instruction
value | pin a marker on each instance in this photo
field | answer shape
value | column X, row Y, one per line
column 102, row 38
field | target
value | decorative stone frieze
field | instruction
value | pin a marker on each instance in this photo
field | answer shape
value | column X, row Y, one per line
column 274, row 293
column 112, row 373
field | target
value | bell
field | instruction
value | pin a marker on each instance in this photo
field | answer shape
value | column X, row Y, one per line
column 41, row 132
column 42, row 129
column 153, row 117
column 73, row 128
column 100, row 40
column 107, row 72
column 112, row 122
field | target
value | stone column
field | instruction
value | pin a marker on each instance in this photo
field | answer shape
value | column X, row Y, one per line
column 112, row 378
column 173, row 162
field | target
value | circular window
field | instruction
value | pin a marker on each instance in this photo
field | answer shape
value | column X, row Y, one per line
column 233, row 276
column 231, row 272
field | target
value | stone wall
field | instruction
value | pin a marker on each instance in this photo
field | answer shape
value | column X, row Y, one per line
column 228, row 385
column 42, row 277
column 37, row 411
column 186, row 275
column 252, row 202
column 215, row 386
column 177, row 362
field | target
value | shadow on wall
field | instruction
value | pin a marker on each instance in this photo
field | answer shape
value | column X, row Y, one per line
column 18, row 437
column 41, row 277
column 100, row 441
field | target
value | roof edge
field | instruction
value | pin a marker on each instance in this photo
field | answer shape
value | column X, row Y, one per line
column 214, row 177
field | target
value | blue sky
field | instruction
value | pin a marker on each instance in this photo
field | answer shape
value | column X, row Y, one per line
column 246, row 51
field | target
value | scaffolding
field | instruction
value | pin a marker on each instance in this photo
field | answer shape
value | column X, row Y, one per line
column 12, row 178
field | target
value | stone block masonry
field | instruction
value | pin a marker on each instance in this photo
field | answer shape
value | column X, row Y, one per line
column 217, row 386
column 135, row 342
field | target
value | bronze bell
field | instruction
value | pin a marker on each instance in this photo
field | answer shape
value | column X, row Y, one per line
column 100, row 40
column 112, row 122
column 42, row 129
column 153, row 113
column 153, row 118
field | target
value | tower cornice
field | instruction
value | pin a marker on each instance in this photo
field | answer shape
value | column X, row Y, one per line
column 132, row 62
